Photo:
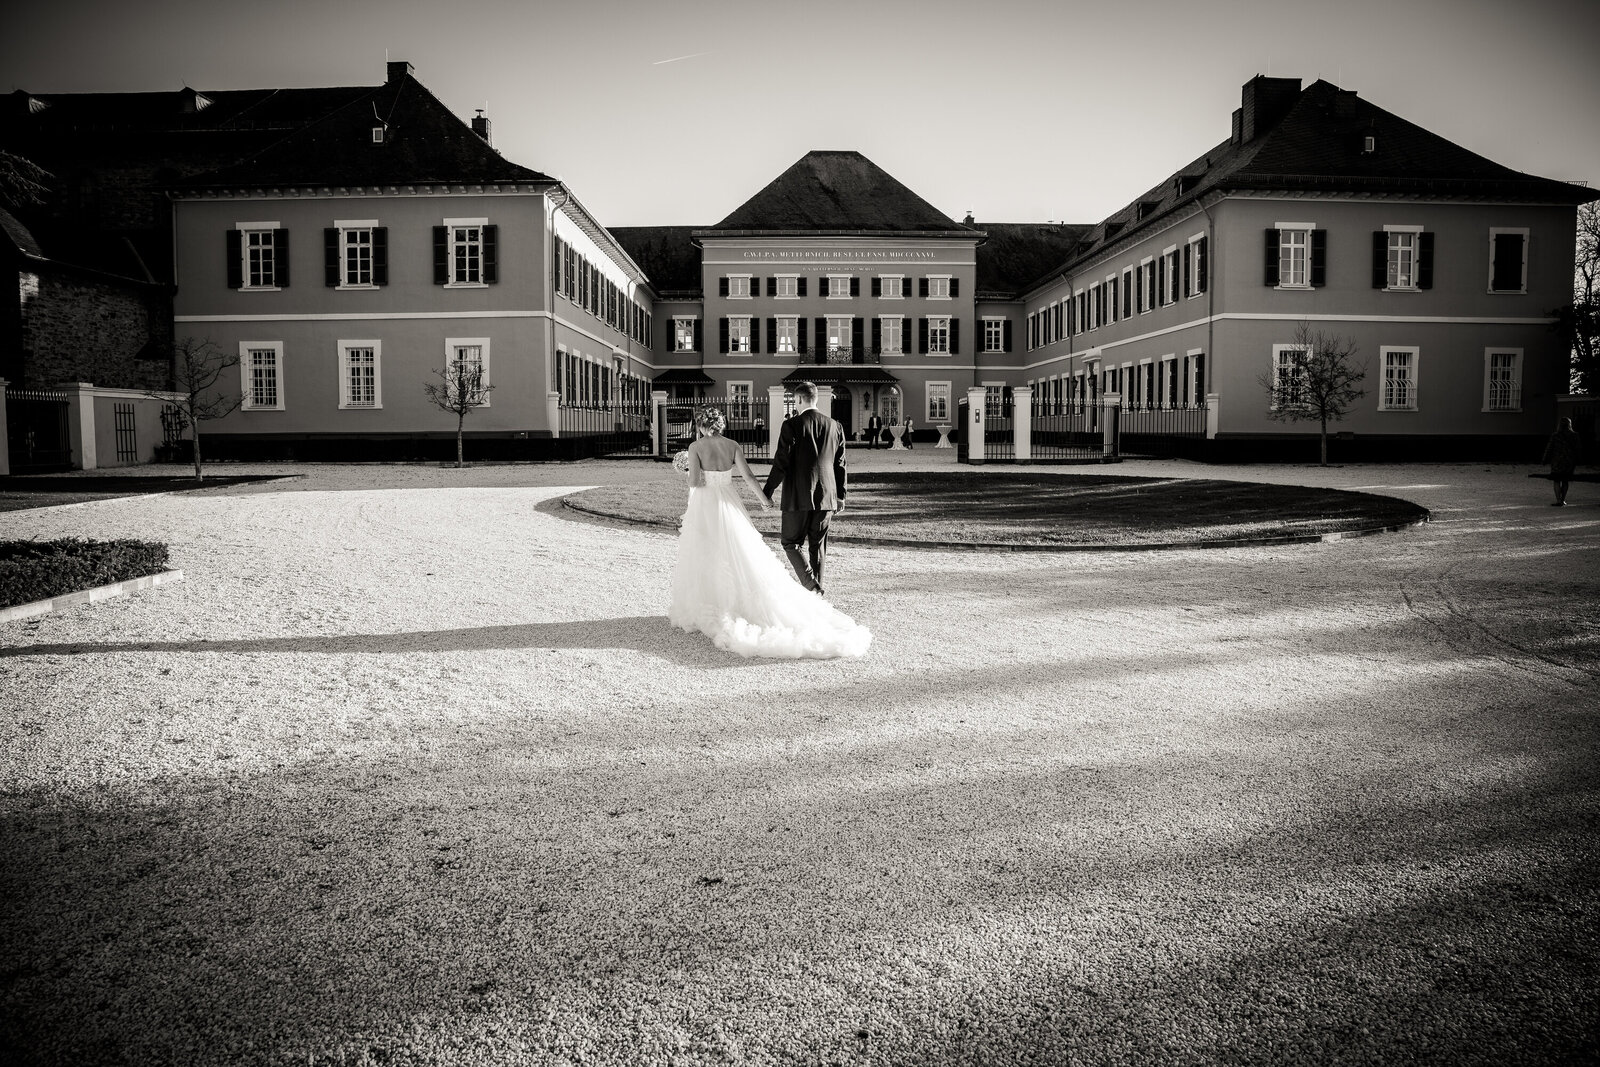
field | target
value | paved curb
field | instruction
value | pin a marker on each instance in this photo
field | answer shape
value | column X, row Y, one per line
column 87, row 596
column 986, row 546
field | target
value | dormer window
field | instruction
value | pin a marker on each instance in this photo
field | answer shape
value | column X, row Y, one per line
column 377, row 135
column 1369, row 145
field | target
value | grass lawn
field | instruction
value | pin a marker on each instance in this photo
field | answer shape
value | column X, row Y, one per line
column 1016, row 508
column 20, row 492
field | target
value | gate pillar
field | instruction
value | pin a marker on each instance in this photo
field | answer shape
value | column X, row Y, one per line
column 80, row 423
column 774, row 418
column 974, row 428
column 658, row 440
column 1110, row 423
column 1022, row 422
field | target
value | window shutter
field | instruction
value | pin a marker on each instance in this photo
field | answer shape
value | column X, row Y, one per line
column 855, row 286
column 1203, row 268
column 822, row 334
column 1319, row 257
column 857, row 335
column 330, row 256
column 1005, row 336
column 1380, row 259
column 1161, row 282
column 800, row 333
column 955, row 287
column 560, row 259
column 441, row 256
column 877, row 287
column 722, row 285
column 1424, row 260
column 491, row 254
column 922, row 291
column 800, row 286
column 235, row 253
column 772, row 287
column 1138, row 294
column 922, row 337
column 1270, row 274
column 877, row 333
column 955, row 336
column 380, row 255
column 723, row 326
column 755, row 286
column 1188, row 270
column 824, row 286
column 699, row 338
column 772, row 333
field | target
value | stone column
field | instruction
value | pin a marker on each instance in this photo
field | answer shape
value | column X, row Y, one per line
column 80, row 423
column 975, row 421
column 1110, row 422
column 552, row 411
column 774, row 418
column 825, row 399
column 1213, row 414
column 1022, row 422
column 5, row 440
column 658, row 440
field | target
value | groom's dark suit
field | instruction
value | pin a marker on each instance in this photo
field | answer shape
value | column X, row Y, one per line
column 810, row 465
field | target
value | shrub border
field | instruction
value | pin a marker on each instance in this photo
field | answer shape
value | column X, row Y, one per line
column 87, row 596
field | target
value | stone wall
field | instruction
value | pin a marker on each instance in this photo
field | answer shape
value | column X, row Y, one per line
column 77, row 326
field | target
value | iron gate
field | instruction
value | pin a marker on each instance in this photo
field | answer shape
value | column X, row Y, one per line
column 37, row 435
column 1068, row 431
column 749, row 421
column 617, row 427
column 127, row 434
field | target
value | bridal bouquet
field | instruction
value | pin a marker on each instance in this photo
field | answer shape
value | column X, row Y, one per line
column 680, row 461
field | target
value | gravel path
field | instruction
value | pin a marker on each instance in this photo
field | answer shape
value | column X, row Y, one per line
column 411, row 769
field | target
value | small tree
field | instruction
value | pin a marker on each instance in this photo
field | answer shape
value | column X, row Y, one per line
column 1317, row 378
column 23, row 183
column 1579, row 322
column 196, row 368
column 460, row 389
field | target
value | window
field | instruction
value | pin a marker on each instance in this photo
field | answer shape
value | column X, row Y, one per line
column 358, row 374
column 1400, row 259
column 685, row 334
column 787, row 286
column 1288, row 375
column 261, row 260
column 466, row 362
column 1169, row 277
column 939, row 335
column 357, row 247
column 1111, row 298
column 356, row 254
column 1127, row 293
column 1147, row 285
column 891, row 286
column 788, row 331
column 261, row 367
column 839, row 286
column 839, row 329
column 1195, row 265
column 1508, row 260
column 1502, row 379
column 1291, row 266
column 1399, row 380
column 939, row 287
column 892, row 332
column 994, row 335
column 994, row 400
column 938, row 401
column 465, row 251
column 739, row 401
column 738, row 287
column 738, row 333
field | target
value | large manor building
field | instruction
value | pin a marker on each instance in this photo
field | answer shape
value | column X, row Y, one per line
column 347, row 245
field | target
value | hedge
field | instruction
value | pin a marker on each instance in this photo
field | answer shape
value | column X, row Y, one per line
column 41, row 570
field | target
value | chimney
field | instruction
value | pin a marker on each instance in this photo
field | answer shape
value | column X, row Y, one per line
column 481, row 127
column 1264, row 102
column 398, row 68
column 1238, row 125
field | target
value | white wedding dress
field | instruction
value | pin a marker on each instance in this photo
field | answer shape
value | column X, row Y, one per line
column 728, row 584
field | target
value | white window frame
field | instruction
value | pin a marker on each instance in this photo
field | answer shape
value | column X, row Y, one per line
column 1147, row 284
column 1277, row 362
column 451, row 244
column 1516, row 378
column 677, row 321
column 899, row 323
column 1495, row 231
column 842, row 326
column 345, row 228
column 1173, row 272
column 734, row 409
column 1286, row 251
column 346, row 399
column 1415, row 354
column 482, row 343
column 837, row 282
column 997, row 323
column 940, row 323
column 1126, row 289
column 246, row 366
column 899, row 281
column 994, row 399
column 735, row 324
column 246, row 229
column 939, row 282
column 936, row 391
column 1193, row 245
column 1113, row 299
column 791, row 282
column 788, row 335
column 1394, row 281
column 744, row 280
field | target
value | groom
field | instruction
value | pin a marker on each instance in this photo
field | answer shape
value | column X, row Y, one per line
column 810, row 464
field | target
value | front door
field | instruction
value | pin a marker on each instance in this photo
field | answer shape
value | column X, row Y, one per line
column 843, row 409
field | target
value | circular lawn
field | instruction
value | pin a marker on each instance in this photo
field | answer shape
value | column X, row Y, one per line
column 1017, row 510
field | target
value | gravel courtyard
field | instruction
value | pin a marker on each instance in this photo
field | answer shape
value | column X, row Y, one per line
column 411, row 769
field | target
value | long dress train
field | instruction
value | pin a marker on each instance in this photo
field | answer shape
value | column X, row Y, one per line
column 729, row 584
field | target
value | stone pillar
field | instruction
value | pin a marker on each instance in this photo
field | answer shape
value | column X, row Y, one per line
column 1213, row 414
column 825, row 399
column 552, row 411
column 1110, row 422
column 5, row 440
column 80, row 424
column 658, row 440
column 774, row 418
column 975, row 421
column 1022, row 422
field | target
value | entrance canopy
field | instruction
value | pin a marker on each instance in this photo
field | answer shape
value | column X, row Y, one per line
column 841, row 373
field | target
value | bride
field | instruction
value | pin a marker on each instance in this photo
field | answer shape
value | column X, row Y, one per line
column 728, row 584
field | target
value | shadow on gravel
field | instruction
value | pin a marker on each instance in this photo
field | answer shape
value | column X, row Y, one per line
column 41, row 491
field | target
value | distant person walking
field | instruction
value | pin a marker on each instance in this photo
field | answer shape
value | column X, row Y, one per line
column 1562, row 452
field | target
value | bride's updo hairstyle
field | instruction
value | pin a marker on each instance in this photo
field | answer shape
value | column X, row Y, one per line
column 710, row 419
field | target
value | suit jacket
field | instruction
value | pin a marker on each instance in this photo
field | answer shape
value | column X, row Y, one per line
column 809, row 463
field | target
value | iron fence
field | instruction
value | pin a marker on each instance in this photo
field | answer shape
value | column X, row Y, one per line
column 1068, row 431
column 749, row 419
column 618, row 428
column 37, row 434
column 1154, row 430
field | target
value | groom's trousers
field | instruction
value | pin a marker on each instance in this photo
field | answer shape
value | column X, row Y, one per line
column 809, row 528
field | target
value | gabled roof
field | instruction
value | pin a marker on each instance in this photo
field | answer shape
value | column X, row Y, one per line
column 1318, row 145
column 835, row 192
column 424, row 142
column 667, row 255
column 179, row 109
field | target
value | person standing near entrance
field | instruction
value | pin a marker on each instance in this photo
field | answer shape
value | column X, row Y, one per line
column 874, row 430
column 809, row 463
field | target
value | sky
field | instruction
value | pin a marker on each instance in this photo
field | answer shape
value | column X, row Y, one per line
column 675, row 113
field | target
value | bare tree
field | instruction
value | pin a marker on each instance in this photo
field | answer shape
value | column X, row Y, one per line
column 460, row 390
column 22, row 182
column 197, row 366
column 1317, row 379
column 1579, row 322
